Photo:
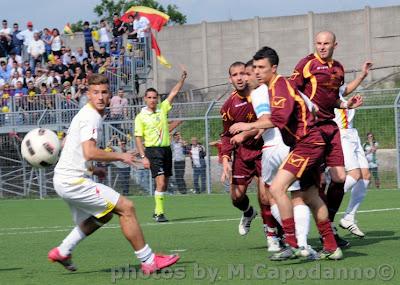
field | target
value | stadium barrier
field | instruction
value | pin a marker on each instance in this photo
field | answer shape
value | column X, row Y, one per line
column 380, row 114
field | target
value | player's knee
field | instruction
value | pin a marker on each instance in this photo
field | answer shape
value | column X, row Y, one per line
column 366, row 175
column 338, row 176
column 126, row 206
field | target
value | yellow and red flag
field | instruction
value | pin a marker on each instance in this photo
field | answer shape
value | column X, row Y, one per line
column 157, row 20
column 68, row 30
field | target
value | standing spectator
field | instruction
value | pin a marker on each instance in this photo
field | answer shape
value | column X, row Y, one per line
column 142, row 26
column 5, row 39
column 87, row 33
column 179, row 152
column 5, row 71
column 27, row 37
column 124, row 170
column 66, row 57
column 118, row 107
column 198, row 154
column 56, row 43
column 118, row 30
column 218, row 145
column 14, row 57
column 36, row 49
column 132, row 34
column 104, row 40
column 5, row 29
column 46, row 38
column 370, row 147
column 16, row 42
column 152, row 133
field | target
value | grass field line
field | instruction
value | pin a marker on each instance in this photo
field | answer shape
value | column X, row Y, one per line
column 51, row 229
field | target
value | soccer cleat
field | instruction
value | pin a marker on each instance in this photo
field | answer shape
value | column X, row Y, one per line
column 352, row 227
column 273, row 244
column 285, row 253
column 160, row 262
column 325, row 254
column 66, row 261
column 307, row 251
column 245, row 222
column 341, row 242
column 161, row 218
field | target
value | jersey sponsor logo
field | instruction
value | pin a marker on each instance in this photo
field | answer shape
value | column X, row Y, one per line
column 278, row 102
column 296, row 160
column 322, row 67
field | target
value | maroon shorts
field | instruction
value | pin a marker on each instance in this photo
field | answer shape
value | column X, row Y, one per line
column 306, row 157
column 245, row 167
column 334, row 152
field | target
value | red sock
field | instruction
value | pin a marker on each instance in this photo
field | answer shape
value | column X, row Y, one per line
column 325, row 230
column 290, row 232
column 334, row 198
column 268, row 219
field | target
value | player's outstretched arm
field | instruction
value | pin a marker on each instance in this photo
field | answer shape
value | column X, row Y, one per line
column 356, row 82
column 177, row 87
column 92, row 152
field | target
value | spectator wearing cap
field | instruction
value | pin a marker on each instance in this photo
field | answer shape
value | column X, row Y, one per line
column 56, row 43
column 87, row 34
column 36, row 49
column 16, row 42
column 27, row 37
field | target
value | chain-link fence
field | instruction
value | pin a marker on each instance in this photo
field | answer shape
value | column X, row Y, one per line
column 195, row 129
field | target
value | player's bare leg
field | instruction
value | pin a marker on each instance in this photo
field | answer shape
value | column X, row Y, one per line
column 271, row 225
column 159, row 196
column 357, row 196
column 320, row 213
column 241, row 201
column 279, row 186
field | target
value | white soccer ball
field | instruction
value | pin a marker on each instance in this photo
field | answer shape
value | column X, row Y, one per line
column 41, row 147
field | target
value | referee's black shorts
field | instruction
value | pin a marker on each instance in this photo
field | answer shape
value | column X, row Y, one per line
column 160, row 160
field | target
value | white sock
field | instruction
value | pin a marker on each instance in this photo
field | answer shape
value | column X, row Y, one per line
column 145, row 255
column 349, row 183
column 71, row 240
column 302, row 222
column 267, row 230
column 275, row 213
column 357, row 196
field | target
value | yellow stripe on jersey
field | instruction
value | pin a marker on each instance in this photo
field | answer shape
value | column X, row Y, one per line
column 344, row 120
column 302, row 104
column 313, row 80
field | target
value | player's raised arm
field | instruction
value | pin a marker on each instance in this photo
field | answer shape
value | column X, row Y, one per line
column 177, row 87
column 356, row 82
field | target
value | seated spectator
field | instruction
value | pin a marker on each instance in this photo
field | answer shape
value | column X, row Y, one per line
column 66, row 57
column 20, row 90
column 16, row 68
column 80, row 55
column 93, row 54
column 59, row 67
column 68, row 89
column 50, row 79
column 86, row 65
column 73, row 64
column 28, row 78
column 41, row 77
column 103, row 53
column 26, row 66
column 15, row 78
column 14, row 57
column 5, row 71
column 67, row 77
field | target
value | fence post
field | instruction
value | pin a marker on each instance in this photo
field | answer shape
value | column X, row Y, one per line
column 1, row 185
column 207, row 142
column 397, row 125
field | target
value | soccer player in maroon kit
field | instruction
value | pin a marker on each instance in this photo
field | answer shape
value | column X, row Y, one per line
column 244, row 151
column 308, row 146
column 319, row 77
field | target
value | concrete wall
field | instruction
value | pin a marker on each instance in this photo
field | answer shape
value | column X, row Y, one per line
column 207, row 49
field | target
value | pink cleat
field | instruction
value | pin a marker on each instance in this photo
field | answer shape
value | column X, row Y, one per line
column 66, row 261
column 160, row 262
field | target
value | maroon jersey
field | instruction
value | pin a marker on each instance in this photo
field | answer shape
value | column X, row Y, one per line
column 320, row 81
column 238, row 109
column 289, row 112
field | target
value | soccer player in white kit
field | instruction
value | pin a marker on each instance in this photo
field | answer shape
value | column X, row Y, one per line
column 93, row 204
column 356, row 166
column 274, row 152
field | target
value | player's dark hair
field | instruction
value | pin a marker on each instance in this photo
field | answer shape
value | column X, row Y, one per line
column 268, row 53
column 236, row 63
column 249, row 63
column 97, row 79
column 151, row 89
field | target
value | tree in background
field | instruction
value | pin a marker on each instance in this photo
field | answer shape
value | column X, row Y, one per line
column 107, row 8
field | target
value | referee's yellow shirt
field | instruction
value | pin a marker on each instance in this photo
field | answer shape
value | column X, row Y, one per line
column 153, row 126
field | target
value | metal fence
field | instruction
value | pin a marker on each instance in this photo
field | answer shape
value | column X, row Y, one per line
column 198, row 120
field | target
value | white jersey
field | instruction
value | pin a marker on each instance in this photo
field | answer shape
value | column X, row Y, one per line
column 261, row 106
column 85, row 125
column 344, row 117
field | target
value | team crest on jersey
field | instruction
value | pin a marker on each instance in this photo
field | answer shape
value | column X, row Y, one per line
column 296, row 160
column 249, row 116
column 278, row 102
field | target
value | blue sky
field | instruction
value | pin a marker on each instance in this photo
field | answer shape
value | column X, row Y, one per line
column 56, row 13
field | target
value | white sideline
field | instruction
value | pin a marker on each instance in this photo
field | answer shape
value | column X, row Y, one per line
column 53, row 229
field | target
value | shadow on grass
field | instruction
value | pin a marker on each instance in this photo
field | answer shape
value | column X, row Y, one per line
column 10, row 269
column 190, row 218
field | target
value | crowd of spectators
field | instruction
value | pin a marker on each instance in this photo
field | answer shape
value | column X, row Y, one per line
column 36, row 66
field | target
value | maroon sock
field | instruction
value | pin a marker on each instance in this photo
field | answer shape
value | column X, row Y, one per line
column 325, row 230
column 268, row 219
column 334, row 198
column 290, row 232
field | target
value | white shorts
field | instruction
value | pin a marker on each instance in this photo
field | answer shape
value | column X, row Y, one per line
column 85, row 197
column 272, row 158
column 354, row 156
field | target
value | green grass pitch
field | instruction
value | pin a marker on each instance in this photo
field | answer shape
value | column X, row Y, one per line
column 203, row 230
